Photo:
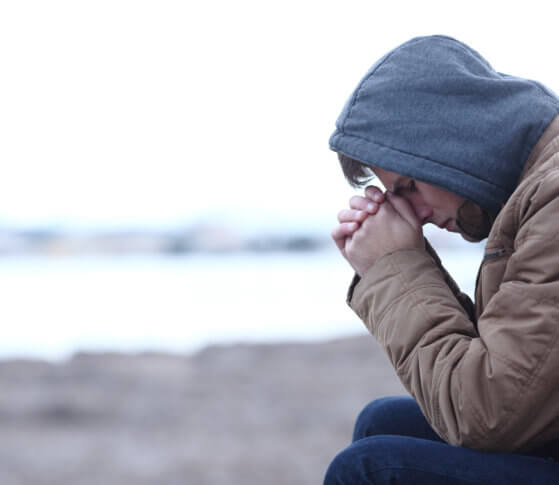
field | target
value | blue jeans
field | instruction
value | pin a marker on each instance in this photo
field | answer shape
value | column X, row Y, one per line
column 393, row 444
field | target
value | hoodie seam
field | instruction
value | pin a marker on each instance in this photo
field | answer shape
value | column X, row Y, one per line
column 360, row 88
column 416, row 40
column 369, row 76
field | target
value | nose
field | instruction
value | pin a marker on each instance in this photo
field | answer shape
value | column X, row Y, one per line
column 423, row 213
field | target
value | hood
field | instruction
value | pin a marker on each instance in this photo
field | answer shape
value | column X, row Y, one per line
column 435, row 110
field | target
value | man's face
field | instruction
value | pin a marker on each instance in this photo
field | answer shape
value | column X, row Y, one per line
column 431, row 204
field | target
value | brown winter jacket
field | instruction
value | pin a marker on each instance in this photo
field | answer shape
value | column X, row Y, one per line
column 486, row 377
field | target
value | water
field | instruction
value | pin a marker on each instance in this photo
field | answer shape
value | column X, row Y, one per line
column 54, row 307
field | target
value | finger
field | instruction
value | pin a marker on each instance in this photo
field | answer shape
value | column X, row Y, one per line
column 374, row 193
column 358, row 202
column 404, row 208
column 350, row 215
column 343, row 231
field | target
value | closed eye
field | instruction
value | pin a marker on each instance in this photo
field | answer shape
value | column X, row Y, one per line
column 410, row 187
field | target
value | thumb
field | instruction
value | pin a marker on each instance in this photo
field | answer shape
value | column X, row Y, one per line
column 404, row 209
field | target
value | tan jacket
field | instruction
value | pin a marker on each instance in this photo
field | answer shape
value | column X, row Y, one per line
column 494, row 386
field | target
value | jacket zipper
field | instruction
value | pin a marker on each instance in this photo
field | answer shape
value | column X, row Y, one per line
column 494, row 254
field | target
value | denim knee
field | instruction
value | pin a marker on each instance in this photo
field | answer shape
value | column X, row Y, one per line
column 399, row 415
column 384, row 460
column 336, row 470
column 379, row 416
column 365, row 462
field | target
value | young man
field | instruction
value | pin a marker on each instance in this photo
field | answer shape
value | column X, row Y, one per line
column 473, row 151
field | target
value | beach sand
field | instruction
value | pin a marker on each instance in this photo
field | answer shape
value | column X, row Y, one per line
column 237, row 414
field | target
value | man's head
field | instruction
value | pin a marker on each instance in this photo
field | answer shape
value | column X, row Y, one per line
column 430, row 203
column 434, row 110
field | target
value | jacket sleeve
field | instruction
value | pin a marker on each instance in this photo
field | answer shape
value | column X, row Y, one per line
column 462, row 298
column 496, row 389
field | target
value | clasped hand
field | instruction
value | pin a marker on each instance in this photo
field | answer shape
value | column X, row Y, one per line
column 376, row 224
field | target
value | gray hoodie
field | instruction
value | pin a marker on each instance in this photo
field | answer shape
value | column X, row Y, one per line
column 435, row 110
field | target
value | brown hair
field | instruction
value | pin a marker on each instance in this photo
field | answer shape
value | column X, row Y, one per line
column 356, row 173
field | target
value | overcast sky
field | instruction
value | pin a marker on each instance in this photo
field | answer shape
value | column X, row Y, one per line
column 158, row 112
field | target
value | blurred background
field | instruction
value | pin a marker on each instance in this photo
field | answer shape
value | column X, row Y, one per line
column 173, row 308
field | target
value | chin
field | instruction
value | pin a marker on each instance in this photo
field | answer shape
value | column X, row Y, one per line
column 470, row 238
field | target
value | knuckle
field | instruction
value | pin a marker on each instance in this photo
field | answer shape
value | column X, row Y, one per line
column 349, row 227
column 336, row 233
column 356, row 202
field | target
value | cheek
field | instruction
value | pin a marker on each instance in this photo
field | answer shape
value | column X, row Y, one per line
column 442, row 201
column 420, row 201
column 454, row 203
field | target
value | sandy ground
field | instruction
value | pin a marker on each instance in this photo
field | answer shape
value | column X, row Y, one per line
column 240, row 414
